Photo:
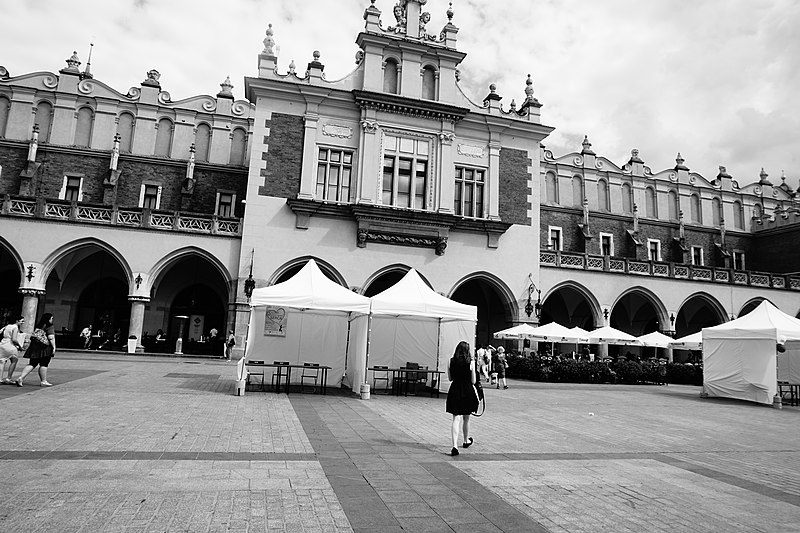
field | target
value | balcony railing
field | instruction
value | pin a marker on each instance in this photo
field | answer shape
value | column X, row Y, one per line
column 130, row 217
column 637, row 267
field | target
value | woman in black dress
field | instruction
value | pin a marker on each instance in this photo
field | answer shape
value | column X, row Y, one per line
column 462, row 399
column 40, row 354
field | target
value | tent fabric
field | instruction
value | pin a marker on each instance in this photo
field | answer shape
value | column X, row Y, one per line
column 520, row 331
column 739, row 357
column 609, row 335
column 411, row 296
column 655, row 339
column 553, row 332
column 311, row 289
column 689, row 342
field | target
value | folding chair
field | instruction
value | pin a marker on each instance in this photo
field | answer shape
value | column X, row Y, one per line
column 380, row 373
column 254, row 372
column 310, row 371
column 280, row 373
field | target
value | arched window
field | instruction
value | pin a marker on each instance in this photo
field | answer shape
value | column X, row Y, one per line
column 602, row 195
column 164, row 137
column 696, row 216
column 551, row 186
column 5, row 108
column 627, row 198
column 390, row 76
column 429, row 83
column 125, row 130
column 44, row 116
column 577, row 191
column 757, row 211
column 672, row 201
column 650, row 209
column 238, row 146
column 83, row 127
column 738, row 215
column 202, row 142
column 717, row 212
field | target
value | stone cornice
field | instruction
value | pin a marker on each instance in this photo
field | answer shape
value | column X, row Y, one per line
column 392, row 103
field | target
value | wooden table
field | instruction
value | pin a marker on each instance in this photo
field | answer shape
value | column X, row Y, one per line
column 400, row 378
column 263, row 365
column 790, row 389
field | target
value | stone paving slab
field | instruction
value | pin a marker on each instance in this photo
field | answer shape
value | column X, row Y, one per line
column 130, row 444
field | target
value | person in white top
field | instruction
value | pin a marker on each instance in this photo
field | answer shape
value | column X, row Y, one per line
column 11, row 343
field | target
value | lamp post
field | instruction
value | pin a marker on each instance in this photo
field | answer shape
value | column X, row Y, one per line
column 531, row 307
column 250, row 283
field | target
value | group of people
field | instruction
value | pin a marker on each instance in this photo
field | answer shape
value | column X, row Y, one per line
column 465, row 372
column 40, row 350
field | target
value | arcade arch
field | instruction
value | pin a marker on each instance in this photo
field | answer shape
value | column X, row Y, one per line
column 11, row 271
column 698, row 311
column 570, row 304
column 750, row 305
column 497, row 307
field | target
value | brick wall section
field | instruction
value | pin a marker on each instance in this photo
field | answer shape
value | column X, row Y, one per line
column 283, row 157
column 94, row 168
column 514, row 189
column 776, row 251
column 573, row 241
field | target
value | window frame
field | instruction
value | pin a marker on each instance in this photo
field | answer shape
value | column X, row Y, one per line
column 610, row 238
column 702, row 258
column 142, row 192
column 551, row 177
column 461, row 184
column 650, row 243
column 217, row 203
column 739, row 264
column 62, row 194
column 428, row 199
column 603, row 196
column 341, row 165
column 555, row 230
column 650, row 192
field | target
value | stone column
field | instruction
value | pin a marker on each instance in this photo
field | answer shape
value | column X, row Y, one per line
column 494, row 179
column 137, row 320
column 308, row 178
column 30, row 305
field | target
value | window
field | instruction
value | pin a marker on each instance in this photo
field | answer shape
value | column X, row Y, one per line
column 554, row 236
column 405, row 172
column 5, row 108
column 577, row 191
column 238, row 146
column 72, row 189
column 125, row 130
column 44, row 113
column 150, row 196
column 697, row 255
column 83, row 127
column 202, row 142
column 469, row 192
column 390, row 76
column 757, row 212
column 738, row 215
column 672, row 200
column 429, row 83
column 627, row 198
column 654, row 250
column 164, row 137
column 650, row 210
column 225, row 202
column 738, row 260
column 551, row 188
column 606, row 244
column 696, row 216
column 716, row 212
column 334, row 172
column 602, row 195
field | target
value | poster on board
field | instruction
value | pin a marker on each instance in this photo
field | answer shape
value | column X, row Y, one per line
column 275, row 321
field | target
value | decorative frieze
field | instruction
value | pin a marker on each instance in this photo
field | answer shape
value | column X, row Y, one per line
column 334, row 130
column 471, row 150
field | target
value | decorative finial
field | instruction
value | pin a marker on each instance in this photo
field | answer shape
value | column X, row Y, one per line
column 529, row 88
column 783, row 176
column 269, row 42
column 316, row 55
column 73, row 62
column 492, row 88
column 679, row 160
column 513, row 105
column 292, row 67
column 226, row 86
column 723, row 170
column 450, row 13
column 634, row 153
column 153, row 77
column 87, row 71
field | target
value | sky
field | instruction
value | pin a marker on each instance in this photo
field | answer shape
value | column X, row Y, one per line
column 716, row 80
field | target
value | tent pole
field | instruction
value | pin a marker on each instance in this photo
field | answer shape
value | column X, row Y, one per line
column 369, row 340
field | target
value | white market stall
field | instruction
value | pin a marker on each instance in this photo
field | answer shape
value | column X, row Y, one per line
column 309, row 318
column 739, row 357
column 410, row 322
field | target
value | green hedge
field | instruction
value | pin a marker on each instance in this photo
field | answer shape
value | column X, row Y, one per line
column 537, row 368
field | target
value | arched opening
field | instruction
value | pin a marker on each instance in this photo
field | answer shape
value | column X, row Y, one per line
column 569, row 307
column 429, row 76
column 10, row 280
column 383, row 282
column 650, row 210
column 603, row 203
column 749, row 306
column 627, row 198
column 577, row 191
column 494, row 309
column 390, row 76
column 202, row 143
column 104, row 305
column 551, row 188
column 697, row 312
column 190, row 287
column 672, row 203
column 635, row 313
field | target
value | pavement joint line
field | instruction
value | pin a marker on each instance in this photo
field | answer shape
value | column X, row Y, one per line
column 133, row 455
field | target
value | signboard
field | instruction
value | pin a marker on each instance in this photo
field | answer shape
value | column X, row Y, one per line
column 275, row 321
column 196, row 325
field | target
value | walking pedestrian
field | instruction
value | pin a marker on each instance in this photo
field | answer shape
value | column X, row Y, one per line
column 501, row 366
column 11, row 342
column 86, row 335
column 229, row 344
column 40, row 352
column 462, row 399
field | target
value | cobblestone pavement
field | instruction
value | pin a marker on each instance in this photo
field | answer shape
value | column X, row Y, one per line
column 152, row 444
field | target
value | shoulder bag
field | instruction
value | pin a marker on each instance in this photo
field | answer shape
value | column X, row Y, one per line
column 478, row 386
column 40, row 336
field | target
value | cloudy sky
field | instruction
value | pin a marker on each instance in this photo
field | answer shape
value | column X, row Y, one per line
column 717, row 80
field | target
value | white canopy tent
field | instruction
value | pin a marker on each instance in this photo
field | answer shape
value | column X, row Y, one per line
column 520, row 331
column 689, row 342
column 739, row 357
column 410, row 322
column 609, row 335
column 655, row 339
column 309, row 318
